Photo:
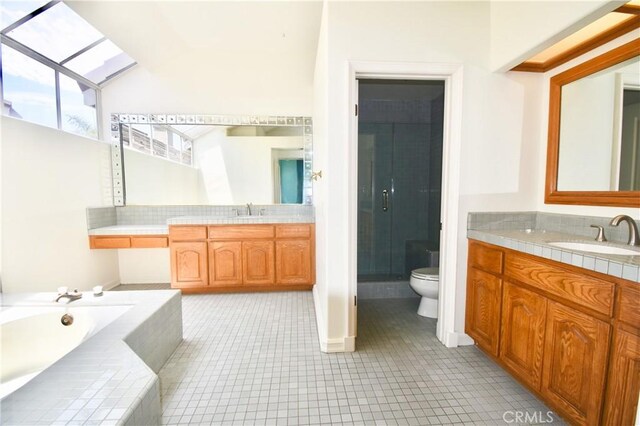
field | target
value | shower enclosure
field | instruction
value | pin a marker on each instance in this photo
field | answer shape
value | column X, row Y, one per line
column 400, row 125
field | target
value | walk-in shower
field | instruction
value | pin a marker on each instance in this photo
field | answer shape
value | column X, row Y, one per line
column 400, row 130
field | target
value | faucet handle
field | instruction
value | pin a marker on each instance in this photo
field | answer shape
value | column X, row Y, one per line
column 262, row 212
column 236, row 212
column 600, row 236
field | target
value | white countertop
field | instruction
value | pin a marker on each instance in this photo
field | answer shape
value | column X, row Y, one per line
column 131, row 230
column 216, row 220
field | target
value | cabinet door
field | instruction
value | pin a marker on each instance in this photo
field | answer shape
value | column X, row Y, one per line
column 624, row 380
column 484, row 292
column 258, row 262
column 225, row 263
column 189, row 264
column 575, row 356
column 293, row 262
column 522, row 333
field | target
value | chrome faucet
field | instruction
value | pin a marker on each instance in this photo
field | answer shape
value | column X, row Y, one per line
column 249, row 205
column 634, row 238
column 74, row 295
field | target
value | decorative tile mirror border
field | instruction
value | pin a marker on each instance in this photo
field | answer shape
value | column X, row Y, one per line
column 117, row 147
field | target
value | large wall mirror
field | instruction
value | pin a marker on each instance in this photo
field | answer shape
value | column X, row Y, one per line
column 180, row 159
column 593, row 155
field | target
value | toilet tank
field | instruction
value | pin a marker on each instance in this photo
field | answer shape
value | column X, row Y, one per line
column 421, row 254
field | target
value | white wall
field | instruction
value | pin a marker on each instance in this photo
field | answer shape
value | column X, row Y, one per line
column 521, row 29
column 152, row 180
column 49, row 178
column 541, row 121
column 144, row 266
column 215, row 83
column 496, row 145
column 238, row 169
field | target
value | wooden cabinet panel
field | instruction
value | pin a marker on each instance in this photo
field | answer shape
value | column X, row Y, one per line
column 484, row 292
column 258, row 262
column 624, row 380
column 109, row 242
column 577, row 288
column 629, row 304
column 293, row 262
column 189, row 264
column 293, row 231
column 486, row 258
column 225, row 263
column 227, row 232
column 522, row 333
column 149, row 242
column 575, row 363
column 187, row 233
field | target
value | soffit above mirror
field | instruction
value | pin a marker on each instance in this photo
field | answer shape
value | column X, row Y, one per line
column 609, row 27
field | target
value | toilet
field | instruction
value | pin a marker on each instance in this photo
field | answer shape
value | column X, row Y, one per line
column 424, row 281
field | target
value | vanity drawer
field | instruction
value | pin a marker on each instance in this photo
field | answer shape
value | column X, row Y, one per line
column 486, row 258
column 187, row 233
column 110, row 242
column 149, row 242
column 577, row 288
column 629, row 305
column 293, row 231
column 226, row 232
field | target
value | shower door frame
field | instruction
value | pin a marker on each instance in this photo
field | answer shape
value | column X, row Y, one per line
column 452, row 76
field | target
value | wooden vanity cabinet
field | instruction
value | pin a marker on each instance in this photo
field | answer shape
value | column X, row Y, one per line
column 189, row 264
column 244, row 257
column 225, row 263
column 484, row 292
column 555, row 326
column 522, row 331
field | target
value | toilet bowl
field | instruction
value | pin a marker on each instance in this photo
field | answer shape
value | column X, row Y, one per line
column 424, row 281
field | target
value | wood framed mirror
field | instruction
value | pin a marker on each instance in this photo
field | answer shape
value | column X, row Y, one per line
column 593, row 151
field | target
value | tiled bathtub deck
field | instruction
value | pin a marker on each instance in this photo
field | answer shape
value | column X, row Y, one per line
column 254, row 359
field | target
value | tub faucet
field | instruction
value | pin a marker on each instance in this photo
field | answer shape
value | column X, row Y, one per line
column 634, row 238
column 249, row 205
column 74, row 295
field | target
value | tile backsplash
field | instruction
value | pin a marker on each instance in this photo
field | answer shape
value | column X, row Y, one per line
column 569, row 224
column 158, row 215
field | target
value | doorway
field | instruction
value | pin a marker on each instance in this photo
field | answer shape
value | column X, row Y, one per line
column 452, row 75
column 400, row 131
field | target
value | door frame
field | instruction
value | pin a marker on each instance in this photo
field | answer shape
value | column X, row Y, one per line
column 452, row 75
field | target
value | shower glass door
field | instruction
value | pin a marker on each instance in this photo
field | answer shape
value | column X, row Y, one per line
column 399, row 178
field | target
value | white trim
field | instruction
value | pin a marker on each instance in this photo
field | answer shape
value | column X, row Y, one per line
column 452, row 135
column 322, row 326
column 461, row 339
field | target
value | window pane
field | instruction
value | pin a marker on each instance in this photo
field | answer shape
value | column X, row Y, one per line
column 124, row 131
column 100, row 62
column 57, row 33
column 29, row 89
column 140, row 139
column 12, row 11
column 78, row 106
column 159, row 141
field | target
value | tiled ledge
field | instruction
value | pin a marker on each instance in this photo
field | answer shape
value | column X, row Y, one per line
column 536, row 242
column 131, row 230
column 110, row 378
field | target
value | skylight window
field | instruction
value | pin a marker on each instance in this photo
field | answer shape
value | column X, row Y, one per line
column 56, row 33
column 54, row 64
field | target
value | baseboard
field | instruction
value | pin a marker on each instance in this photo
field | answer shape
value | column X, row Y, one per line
column 110, row 285
column 459, row 339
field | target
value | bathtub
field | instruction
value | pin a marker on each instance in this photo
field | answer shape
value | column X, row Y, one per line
column 33, row 338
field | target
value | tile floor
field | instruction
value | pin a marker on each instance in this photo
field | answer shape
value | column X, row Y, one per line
column 254, row 359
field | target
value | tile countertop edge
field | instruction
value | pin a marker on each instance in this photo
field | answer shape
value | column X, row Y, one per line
column 250, row 220
column 591, row 261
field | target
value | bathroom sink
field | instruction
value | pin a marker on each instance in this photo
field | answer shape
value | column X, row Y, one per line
column 595, row 248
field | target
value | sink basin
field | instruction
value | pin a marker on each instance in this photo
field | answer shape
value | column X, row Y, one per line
column 595, row 248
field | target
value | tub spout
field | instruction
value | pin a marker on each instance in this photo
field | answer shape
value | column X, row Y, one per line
column 74, row 295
